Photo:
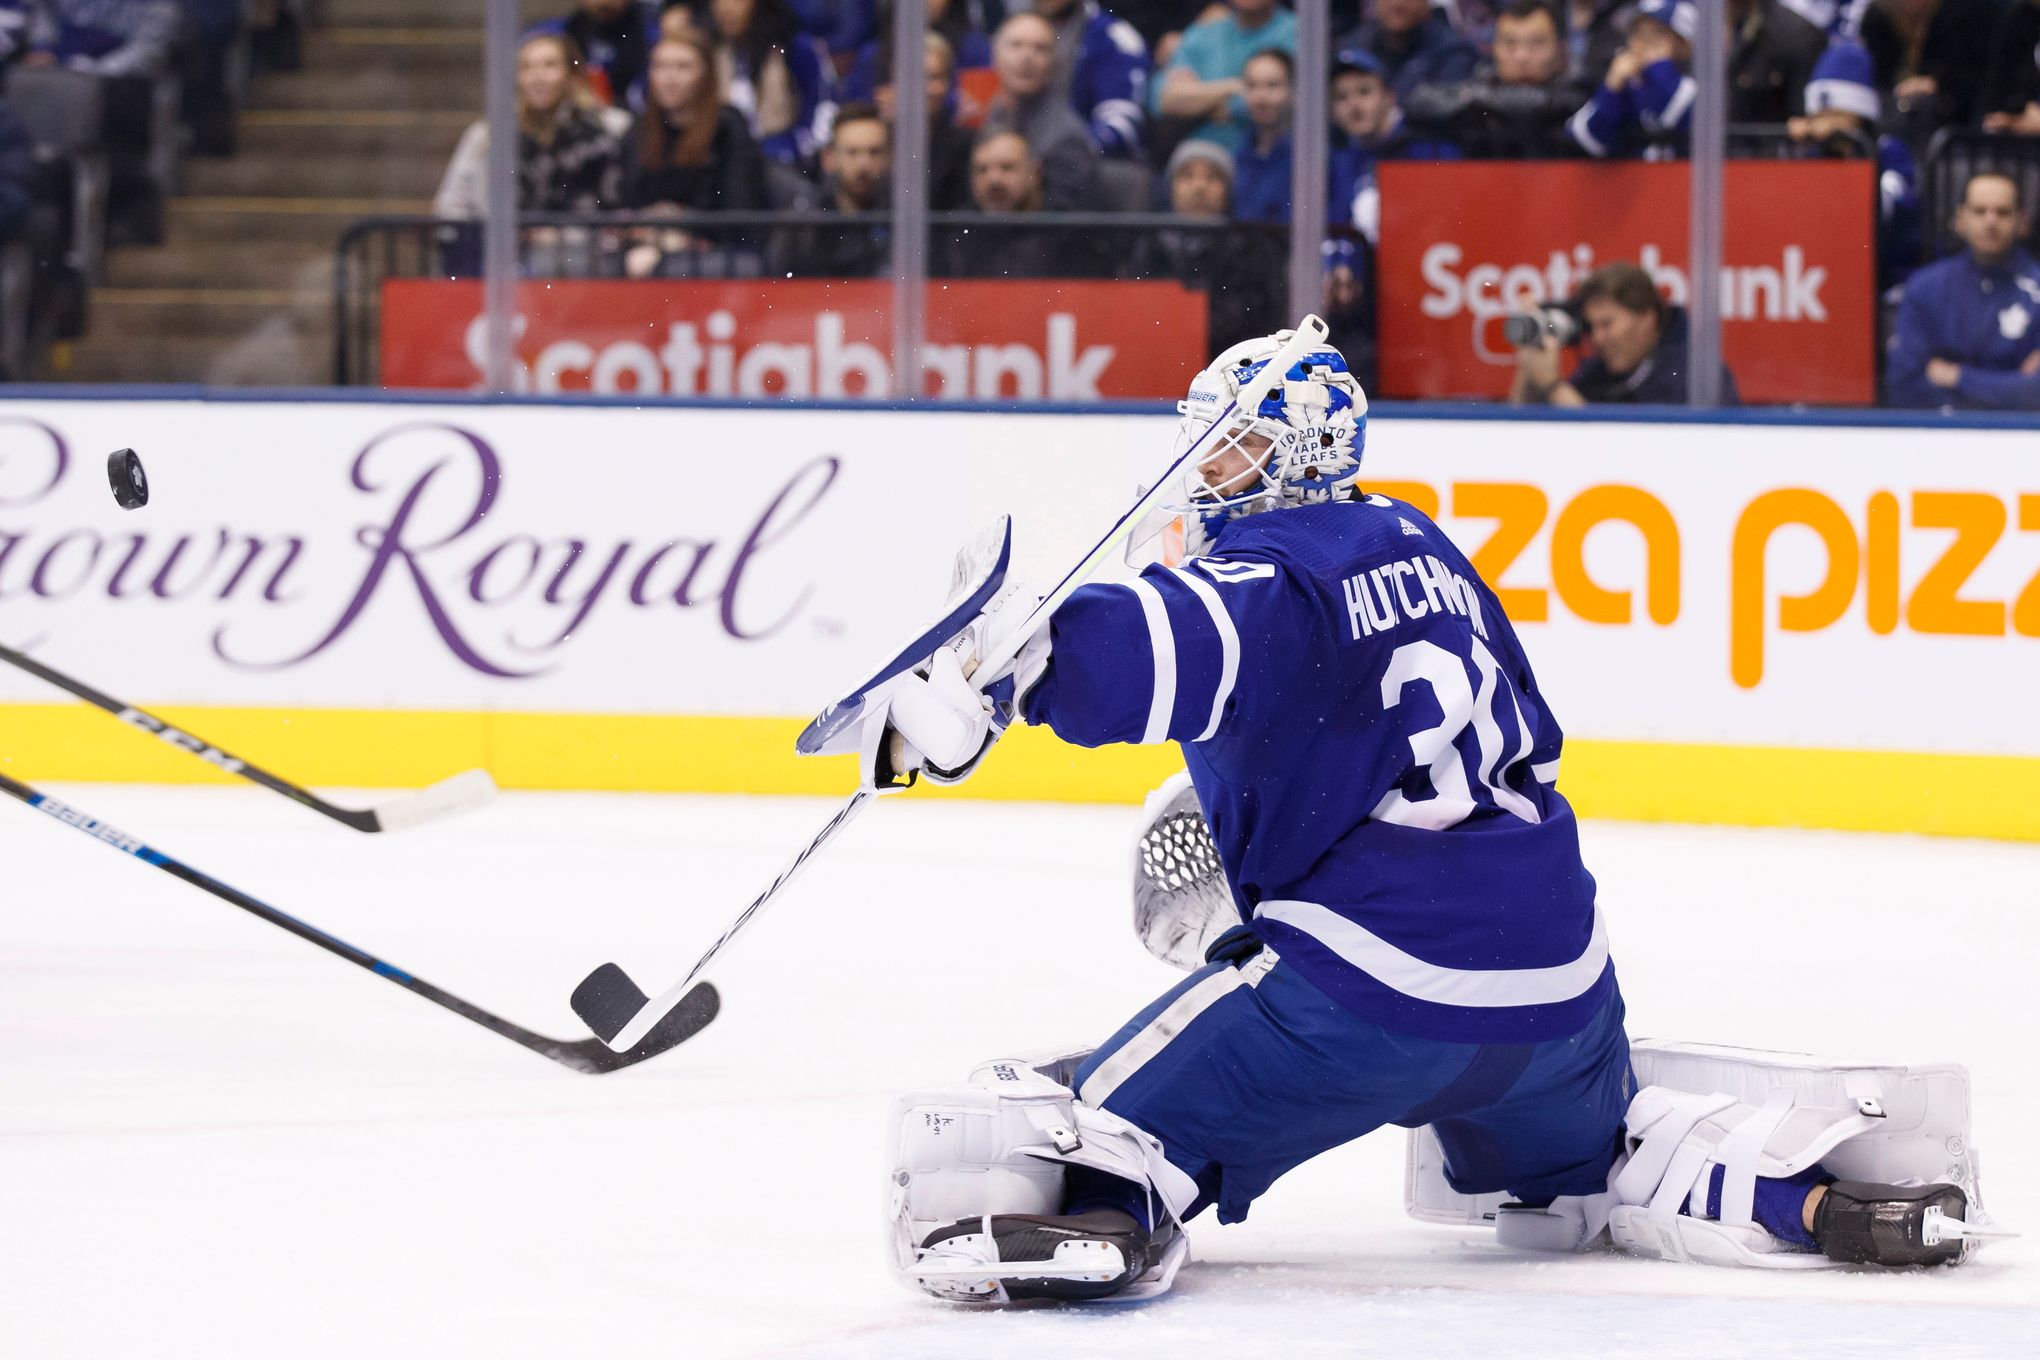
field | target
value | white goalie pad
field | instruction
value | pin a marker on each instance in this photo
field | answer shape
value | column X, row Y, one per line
column 1181, row 902
column 999, row 1146
column 1753, row 1113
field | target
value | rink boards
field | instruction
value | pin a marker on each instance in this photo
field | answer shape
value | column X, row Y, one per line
column 1758, row 622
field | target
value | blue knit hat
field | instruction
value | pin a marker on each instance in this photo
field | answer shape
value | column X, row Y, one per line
column 1844, row 79
column 1680, row 16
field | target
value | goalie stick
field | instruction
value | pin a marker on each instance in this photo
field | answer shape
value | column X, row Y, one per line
column 458, row 793
column 686, row 1019
column 618, row 1010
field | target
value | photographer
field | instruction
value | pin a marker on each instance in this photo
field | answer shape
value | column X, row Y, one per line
column 1639, row 346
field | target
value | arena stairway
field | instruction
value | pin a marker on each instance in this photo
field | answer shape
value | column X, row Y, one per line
column 240, row 293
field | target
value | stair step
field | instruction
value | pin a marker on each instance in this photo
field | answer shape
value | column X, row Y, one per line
column 310, row 175
column 211, row 222
column 275, row 134
column 374, row 87
column 250, row 264
column 408, row 52
column 401, row 14
column 175, row 314
column 279, row 356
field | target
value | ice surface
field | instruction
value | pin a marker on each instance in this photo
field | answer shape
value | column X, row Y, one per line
column 216, row 1140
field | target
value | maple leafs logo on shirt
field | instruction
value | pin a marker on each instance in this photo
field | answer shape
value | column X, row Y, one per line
column 2013, row 321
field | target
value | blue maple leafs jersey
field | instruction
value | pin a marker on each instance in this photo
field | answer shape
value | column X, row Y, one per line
column 1374, row 758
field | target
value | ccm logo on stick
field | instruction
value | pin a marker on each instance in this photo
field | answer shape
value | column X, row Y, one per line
column 183, row 741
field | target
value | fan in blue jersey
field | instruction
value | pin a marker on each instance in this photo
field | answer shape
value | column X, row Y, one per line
column 1413, row 940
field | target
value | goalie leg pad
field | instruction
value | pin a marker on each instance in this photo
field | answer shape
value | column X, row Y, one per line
column 1778, row 1117
column 998, row 1148
column 1747, row 1114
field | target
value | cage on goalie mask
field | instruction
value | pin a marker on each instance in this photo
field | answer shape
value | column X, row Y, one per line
column 1315, row 422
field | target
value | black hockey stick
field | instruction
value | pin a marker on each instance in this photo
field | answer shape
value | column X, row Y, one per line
column 457, row 793
column 695, row 1010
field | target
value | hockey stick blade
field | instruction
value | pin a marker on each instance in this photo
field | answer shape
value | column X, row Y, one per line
column 459, row 793
column 682, row 1020
column 607, row 1000
column 450, row 797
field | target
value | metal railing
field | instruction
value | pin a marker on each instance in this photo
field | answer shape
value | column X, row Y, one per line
column 1243, row 266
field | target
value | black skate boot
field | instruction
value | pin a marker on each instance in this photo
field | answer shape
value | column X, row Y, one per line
column 1864, row 1223
column 1097, row 1254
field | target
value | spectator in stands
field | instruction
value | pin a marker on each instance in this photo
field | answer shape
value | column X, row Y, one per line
column 962, row 26
column 1005, row 178
column 615, row 39
column 773, row 74
column 1101, row 68
column 1160, row 22
column 1023, row 55
column 1640, row 349
column 1645, row 100
column 690, row 152
column 1516, row 107
column 104, row 37
column 1415, row 44
column 1931, row 56
column 1968, row 330
column 856, row 166
column 17, row 172
column 1201, row 83
column 949, row 146
column 1842, row 110
column 1770, row 61
column 127, row 42
column 1368, row 126
column 14, row 39
column 2010, row 100
column 1644, row 104
column 1262, row 168
column 1349, row 309
column 569, row 153
column 842, row 26
column 1241, row 271
column 1594, row 32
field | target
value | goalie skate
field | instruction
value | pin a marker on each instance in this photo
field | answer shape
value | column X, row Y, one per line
column 1012, row 1258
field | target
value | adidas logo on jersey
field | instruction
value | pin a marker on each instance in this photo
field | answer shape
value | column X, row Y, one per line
column 1409, row 528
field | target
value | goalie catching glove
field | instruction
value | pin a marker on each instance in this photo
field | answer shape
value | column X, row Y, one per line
column 940, row 719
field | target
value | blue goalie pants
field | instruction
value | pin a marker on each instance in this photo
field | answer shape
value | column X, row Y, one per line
column 1246, row 1072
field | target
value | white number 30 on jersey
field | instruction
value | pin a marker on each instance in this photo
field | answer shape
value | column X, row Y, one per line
column 1443, row 748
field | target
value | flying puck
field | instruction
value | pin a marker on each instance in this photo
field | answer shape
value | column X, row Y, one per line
column 130, row 483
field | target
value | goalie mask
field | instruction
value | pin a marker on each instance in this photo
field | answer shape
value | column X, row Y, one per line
column 1302, row 446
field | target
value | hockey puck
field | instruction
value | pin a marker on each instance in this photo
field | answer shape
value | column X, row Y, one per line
column 130, row 483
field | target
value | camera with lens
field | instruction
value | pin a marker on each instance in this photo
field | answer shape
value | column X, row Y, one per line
column 1527, row 328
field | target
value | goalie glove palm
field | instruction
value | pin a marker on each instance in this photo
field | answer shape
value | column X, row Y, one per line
column 937, row 724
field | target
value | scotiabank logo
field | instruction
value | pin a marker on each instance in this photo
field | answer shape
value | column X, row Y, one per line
column 1046, row 339
column 1465, row 243
column 711, row 360
column 1486, row 291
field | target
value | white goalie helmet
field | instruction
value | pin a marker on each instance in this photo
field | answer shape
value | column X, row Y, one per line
column 1314, row 421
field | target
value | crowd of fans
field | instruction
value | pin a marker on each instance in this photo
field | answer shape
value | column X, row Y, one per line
column 685, row 109
column 99, row 100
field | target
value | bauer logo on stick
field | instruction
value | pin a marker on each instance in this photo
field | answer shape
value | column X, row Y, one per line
column 130, row 483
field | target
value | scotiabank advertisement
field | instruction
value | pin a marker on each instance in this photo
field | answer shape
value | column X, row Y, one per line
column 1465, row 244
column 1038, row 339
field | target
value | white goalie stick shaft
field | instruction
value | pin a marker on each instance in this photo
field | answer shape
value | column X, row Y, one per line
column 620, row 1012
